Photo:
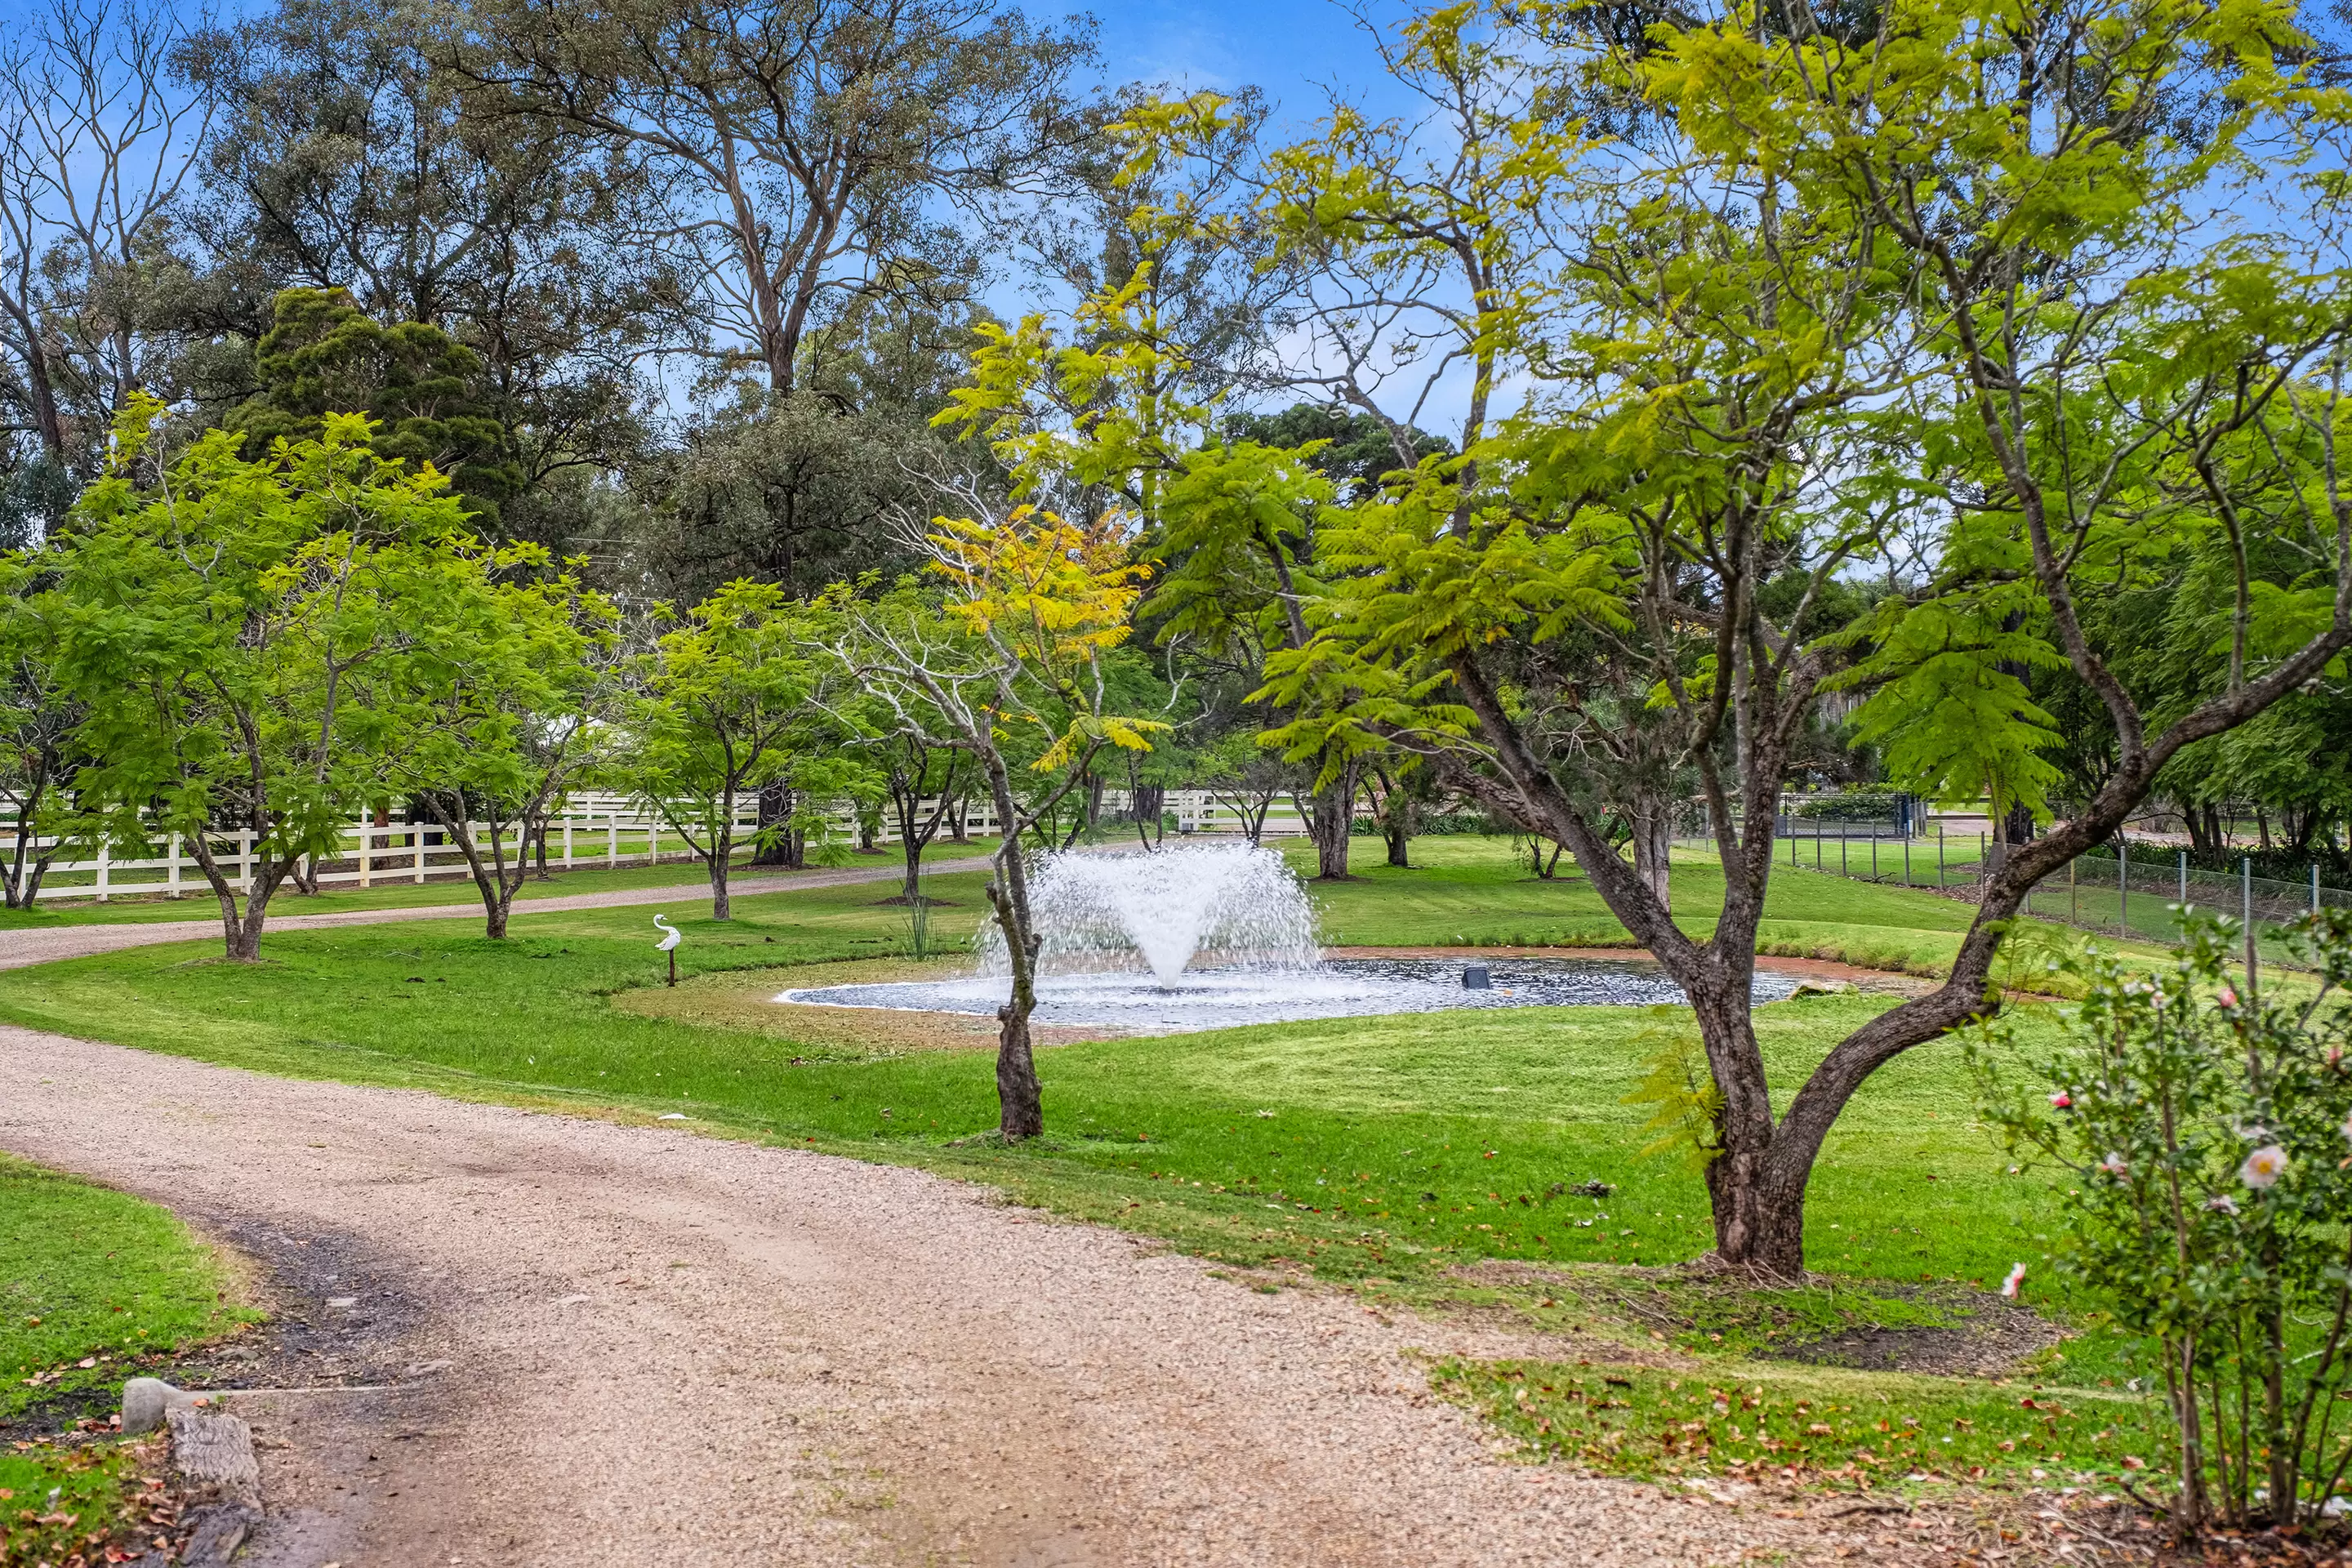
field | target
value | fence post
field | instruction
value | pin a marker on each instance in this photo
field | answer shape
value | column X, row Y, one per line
column 245, row 860
column 1939, row 855
column 1906, row 854
column 417, row 838
column 653, row 842
column 2184, row 879
column 567, row 844
column 2123, row 886
column 103, row 861
column 367, row 842
column 2246, row 902
column 613, row 844
column 172, row 883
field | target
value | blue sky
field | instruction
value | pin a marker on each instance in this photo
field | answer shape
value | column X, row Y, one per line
column 1292, row 49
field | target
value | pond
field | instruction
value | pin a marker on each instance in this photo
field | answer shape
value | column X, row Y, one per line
column 1132, row 1001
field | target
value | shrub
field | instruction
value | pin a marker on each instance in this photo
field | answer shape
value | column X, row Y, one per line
column 1852, row 806
column 2204, row 1137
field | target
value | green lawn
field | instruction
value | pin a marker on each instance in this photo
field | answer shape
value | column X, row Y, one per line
column 1383, row 1152
column 94, row 1286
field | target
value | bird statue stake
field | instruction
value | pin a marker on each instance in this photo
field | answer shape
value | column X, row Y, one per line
column 669, row 944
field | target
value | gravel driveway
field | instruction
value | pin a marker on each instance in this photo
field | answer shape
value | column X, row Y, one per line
column 632, row 1346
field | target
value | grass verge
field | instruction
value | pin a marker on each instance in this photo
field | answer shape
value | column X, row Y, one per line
column 1747, row 1422
column 95, row 1286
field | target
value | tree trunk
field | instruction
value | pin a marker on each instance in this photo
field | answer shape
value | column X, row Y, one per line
column 1146, row 804
column 1021, row 1105
column 1654, row 840
column 1396, row 817
column 1329, row 822
column 775, row 845
column 20, row 878
column 1758, row 1198
column 722, row 854
column 912, row 847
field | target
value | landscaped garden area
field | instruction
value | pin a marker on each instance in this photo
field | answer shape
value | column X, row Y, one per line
column 1665, row 692
column 1403, row 1158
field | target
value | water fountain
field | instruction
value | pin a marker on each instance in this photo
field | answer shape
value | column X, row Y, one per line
column 1202, row 936
column 1230, row 906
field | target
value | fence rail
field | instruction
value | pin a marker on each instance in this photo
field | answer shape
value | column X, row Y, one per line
column 598, row 829
column 368, row 856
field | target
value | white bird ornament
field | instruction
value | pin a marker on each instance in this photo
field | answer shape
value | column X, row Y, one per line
column 669, row 944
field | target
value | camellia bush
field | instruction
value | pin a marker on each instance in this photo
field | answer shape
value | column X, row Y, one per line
column 2206, row 1134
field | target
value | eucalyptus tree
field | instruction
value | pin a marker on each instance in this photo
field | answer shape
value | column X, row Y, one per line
column 104, row 111
column 791, row 158
column 1931, row 268
column 342, row 159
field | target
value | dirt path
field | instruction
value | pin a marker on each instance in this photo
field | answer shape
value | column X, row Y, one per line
column 19, row 947
column 638, row 1347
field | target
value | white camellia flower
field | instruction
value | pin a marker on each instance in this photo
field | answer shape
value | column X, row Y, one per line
column 2224, row 1204
column 2264, row 1166
column 2114, row 1166
column 2016, row 1278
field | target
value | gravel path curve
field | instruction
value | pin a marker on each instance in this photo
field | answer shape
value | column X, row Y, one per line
column 19, row 947
column 632, row 1346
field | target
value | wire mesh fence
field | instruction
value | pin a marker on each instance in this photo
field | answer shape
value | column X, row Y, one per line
column 2139, row 893
column 2142, row 894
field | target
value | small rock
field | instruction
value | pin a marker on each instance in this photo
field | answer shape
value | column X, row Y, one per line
column 1824, row 988
column 426, row 1368
column 239, row 1353
column 342, row 1300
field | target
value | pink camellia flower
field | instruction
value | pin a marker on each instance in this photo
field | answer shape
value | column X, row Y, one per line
column 2264, row 1167
column 2227, row 996
column 2009, row 1286
column 2114, row 1166
column 2061, row 1100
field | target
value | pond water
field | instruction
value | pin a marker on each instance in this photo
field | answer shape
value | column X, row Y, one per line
column 1137, row 1003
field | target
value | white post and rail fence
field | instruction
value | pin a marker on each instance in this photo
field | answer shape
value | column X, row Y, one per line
column 596, row 830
